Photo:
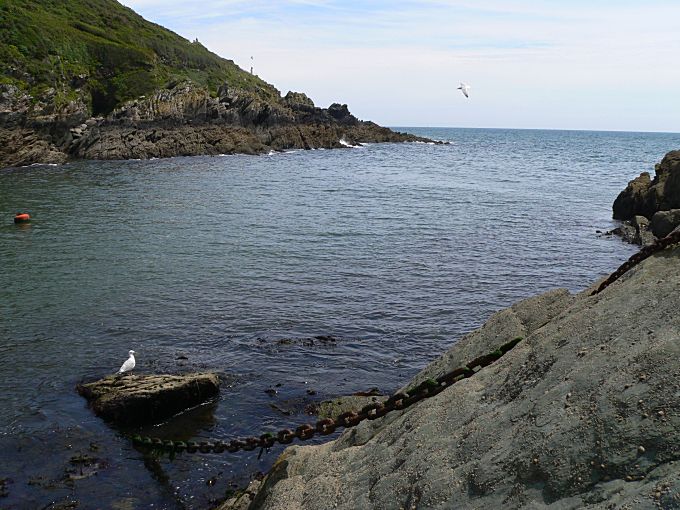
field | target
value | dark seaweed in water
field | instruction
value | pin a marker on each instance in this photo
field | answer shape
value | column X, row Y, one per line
column 392, row 250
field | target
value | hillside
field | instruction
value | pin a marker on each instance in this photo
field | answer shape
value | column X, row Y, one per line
column 107, row 50
column 91, row 79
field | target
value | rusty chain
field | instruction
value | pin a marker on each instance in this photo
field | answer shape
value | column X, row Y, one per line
column 398, row 401
column 645, row 252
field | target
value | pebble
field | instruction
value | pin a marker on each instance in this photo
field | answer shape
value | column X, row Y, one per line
column 641, row 449
column 661, row 413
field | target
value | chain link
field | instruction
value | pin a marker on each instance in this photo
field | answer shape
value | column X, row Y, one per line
column 400, row 400
column 397, row 402
column 645, row 252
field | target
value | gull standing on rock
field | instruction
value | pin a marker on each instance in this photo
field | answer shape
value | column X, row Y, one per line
column 129, row 363
column 464, row 88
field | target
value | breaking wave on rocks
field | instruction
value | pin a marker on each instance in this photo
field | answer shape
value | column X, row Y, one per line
column 344, row 142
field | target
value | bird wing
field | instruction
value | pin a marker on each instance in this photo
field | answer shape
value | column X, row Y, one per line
column 128, row 365
column 465, row 92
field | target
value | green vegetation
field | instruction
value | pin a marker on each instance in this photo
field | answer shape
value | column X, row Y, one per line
column 107, row 50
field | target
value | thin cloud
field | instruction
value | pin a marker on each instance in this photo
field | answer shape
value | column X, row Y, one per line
column 379, row 56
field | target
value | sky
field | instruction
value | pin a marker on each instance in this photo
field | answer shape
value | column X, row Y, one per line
column 555, row 64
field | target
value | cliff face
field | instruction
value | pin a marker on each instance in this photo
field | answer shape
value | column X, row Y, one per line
column 582, row 413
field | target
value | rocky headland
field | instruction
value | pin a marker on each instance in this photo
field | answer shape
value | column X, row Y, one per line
column 649, row 208
column 94, row 80
column 184, row 120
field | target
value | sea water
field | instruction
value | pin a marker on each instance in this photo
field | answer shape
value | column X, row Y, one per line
column 234, row 264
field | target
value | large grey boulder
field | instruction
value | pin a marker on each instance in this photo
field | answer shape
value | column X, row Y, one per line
column 633, row 199
column 583, row 413
column 644, row 196
column 663, row 222
column 139, row 399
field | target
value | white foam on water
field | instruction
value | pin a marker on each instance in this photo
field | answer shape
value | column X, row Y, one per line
column 344, row 142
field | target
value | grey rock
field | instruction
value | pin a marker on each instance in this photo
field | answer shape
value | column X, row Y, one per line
column 298, row 99
column 644, row 196
column 663, row 222
column 557, row 422
column 632, row 200
column 137, row 399
column 627, row 232
column 335, row 407
column 643, row 236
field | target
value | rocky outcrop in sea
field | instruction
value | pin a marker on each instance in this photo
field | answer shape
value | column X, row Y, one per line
column 182, row 120
column 650, row 208
column 582, row 413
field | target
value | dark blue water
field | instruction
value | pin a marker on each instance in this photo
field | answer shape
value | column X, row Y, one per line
column 394, row 249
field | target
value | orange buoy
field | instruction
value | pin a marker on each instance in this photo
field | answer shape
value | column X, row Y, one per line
column 21, row 218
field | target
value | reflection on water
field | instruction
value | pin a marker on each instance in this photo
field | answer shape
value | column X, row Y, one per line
column 206, row 263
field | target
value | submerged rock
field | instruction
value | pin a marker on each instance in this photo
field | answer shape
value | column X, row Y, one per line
column 139, row 399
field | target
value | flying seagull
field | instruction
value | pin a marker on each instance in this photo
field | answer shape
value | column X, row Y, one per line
column 129, row 363
column 464, row 88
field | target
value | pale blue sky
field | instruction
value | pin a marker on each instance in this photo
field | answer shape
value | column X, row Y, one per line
column 597, row 64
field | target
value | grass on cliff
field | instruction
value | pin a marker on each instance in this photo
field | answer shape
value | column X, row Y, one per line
column 105, row 49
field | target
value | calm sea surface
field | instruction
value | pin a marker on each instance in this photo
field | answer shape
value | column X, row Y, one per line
column 206, row 263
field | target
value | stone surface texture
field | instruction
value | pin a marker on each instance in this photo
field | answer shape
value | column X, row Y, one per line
column 664, row 222
column 140, row 399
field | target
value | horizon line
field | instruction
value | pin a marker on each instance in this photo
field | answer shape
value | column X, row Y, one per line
column 538, row 129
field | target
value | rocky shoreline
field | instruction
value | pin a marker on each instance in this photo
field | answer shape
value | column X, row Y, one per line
column 581, row 414
column 650, row 208
column 183, row 120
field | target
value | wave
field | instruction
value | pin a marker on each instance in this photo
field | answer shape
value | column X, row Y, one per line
column 344, row 142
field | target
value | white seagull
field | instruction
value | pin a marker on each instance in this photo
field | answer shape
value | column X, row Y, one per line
column 129, row 363
column 464, row 88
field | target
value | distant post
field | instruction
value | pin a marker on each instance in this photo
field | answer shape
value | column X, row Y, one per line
column 251, row 65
